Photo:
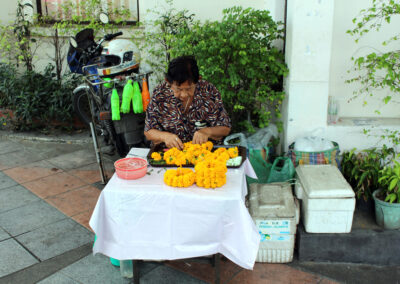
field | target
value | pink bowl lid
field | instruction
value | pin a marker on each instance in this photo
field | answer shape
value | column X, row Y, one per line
column 130, row 164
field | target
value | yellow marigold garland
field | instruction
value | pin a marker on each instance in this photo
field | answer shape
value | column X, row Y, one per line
column 181, row 177
column 211, row 173
column 210, row 167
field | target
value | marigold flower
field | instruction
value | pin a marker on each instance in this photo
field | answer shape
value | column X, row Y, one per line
column 233, row 152
column 156, row 156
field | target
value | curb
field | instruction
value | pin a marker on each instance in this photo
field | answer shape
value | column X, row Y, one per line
column 67, row 139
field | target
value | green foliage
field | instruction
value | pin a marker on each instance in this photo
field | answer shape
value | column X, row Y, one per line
column 378, row 70
column 390, row 183
column 17, row 43
column 35, row 98
column 363, row 170
column 237, row 55
column 162, row 34
column 386, row 136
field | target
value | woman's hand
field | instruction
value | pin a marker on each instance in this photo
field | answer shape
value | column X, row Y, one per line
column 172, row 140
column 200, row 136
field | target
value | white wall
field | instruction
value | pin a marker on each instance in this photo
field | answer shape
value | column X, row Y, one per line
column 308, row 51
column 344, row 47
column 211, row 9
column 7, row 11
column 318, row 53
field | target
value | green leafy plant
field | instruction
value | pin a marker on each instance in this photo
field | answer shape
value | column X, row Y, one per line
column 17, row 42
column 363, row 169
column 160, row 35
column 390, row 183
column 377, row 70
column 36, row 98
column 238, row 55
column 39, row 97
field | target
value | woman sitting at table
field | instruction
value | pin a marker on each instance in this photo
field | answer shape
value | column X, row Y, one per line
column 184, row 108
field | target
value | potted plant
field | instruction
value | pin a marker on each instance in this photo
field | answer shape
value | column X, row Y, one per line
column 387, row 197
column 362, row 171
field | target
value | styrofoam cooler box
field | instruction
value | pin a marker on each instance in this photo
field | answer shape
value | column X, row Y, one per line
column 328, row 201
column 276, row 215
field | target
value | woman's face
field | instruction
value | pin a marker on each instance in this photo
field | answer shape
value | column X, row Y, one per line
column 184, row 90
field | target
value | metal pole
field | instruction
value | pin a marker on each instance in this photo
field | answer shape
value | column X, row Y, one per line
column 98, row 154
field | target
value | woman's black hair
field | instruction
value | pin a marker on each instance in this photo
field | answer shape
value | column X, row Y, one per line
column 182, row 69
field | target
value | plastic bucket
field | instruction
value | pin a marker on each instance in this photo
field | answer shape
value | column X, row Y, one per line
column 387, row 214
column 114, row 261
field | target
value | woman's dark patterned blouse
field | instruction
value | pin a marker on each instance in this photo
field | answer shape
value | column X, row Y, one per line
column 165, row 111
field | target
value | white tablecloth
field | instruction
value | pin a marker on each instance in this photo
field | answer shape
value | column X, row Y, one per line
column 146, row 219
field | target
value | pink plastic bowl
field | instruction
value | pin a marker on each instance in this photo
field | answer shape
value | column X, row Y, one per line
column 131, row 168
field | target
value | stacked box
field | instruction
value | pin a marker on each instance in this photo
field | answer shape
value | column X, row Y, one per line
column 328, row 201
column 276, row 216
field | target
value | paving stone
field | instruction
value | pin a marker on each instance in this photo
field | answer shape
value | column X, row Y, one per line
column 75, row 201
column 50, row 149
column 14, row 197
column 33, row 171
column 91, row 173
column 271, row 273
column 53, row 184
column 9, row 146
column 84, row 218
column 166, row 275
column 55, row 239
column 14, row 257
column 204, row 270
column 6, row 181
column 354, row 273
column 58, row 278
column 95, row 269
column 4, row 235
column 27, row 218
column 74, row 160
column 18, row 158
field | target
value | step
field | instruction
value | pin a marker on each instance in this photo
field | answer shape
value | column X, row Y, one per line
column 366, row 243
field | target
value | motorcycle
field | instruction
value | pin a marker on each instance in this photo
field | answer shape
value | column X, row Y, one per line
column 105, row 69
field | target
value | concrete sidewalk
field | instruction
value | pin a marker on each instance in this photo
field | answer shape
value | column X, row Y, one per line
column 49, row 186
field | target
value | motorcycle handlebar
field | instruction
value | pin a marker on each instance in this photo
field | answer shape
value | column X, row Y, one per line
column 111, row 36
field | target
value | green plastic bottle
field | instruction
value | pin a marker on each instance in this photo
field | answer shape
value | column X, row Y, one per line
column 137, row 102
column 127, row 96
column 115, row 115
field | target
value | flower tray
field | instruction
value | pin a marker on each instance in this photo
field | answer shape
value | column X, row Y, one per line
column 162, row 149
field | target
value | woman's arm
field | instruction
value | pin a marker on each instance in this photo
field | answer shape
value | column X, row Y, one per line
column 171, row 140
column 215, row 133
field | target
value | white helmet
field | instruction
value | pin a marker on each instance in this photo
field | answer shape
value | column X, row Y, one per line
column 120, row 55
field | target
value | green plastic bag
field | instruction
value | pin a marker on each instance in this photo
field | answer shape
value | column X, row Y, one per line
column 137, row 101
column 258, row 160
column 281, row 170
column 115, row 114
column 127, row 96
